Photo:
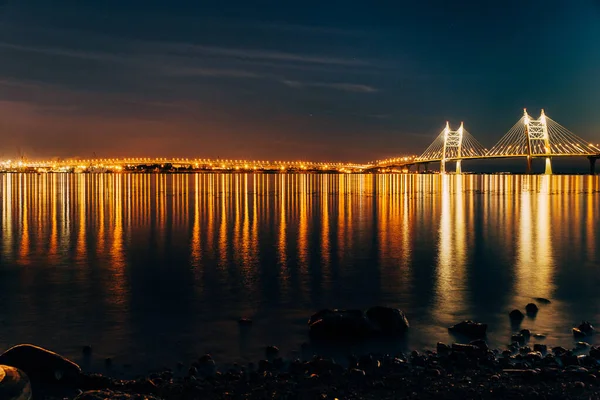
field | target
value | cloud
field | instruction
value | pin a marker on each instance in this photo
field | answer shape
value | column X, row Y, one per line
column 211, row 72
column 346, row 87
column 264, row 55
column 53, row 51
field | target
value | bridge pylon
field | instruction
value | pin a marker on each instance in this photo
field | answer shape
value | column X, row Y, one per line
column 537, row 130
column 541, row 138
column 452, row 145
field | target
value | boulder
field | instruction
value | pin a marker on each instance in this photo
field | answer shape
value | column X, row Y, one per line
column 516, row 315
column 349, row 325
column 595, row 352
column 40, row 364
column 14, row 384
column 355, row 325
column 531, row 309
column 469, row 328
column 387, row 321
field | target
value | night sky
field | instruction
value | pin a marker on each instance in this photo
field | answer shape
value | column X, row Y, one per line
column 320, row 80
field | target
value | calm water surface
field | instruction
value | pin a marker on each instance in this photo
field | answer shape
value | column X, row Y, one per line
column 155, row 269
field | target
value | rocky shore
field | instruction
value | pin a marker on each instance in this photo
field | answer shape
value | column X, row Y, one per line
column 457, row 371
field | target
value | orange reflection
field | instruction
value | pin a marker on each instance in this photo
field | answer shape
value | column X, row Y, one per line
column 535, row 261
column 451, row 283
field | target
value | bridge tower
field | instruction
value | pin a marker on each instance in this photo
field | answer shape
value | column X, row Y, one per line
column 537, row 131
column 452, row 140
column 452, row 145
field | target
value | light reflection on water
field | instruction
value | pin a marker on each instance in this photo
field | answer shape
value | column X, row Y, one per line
column 153, row 269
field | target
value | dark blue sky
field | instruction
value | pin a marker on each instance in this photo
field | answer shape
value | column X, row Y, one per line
column 288, row 80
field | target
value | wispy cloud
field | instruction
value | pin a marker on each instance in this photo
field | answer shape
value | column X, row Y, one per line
column 211, row 72
column 54, row 51
column 264, row 55
column 346, row 87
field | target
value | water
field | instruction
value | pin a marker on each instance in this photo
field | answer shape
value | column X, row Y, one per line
column 154, row 269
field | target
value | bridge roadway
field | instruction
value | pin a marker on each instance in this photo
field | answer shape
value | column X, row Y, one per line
column 200, row 164
column 401, row 163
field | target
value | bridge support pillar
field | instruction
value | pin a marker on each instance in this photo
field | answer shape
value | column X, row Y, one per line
column 592, row 165
column 459, row 167
column 529, row 165
column 443, row 167
column 548, row 166
column 426, row 167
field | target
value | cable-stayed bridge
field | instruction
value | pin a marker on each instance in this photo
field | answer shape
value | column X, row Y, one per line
column 529, row 138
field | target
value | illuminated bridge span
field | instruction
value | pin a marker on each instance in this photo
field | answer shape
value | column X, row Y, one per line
column 528, row 138
column 118, row 164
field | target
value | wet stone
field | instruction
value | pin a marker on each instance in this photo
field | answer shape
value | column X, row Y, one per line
column 526, row 333
column 516, row 315
column 531, row 309
column 40, row 364
column 469, row 328
column 542, row 348
column 442, row 348
column 14, row 384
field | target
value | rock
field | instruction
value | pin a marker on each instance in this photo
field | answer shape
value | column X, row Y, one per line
column 586, row 327
column 582, row 345
column 442, row 348
column 542, row 348
column 519, row 338
column 388, row 321
column 464, row 348
column 578, row 333
column 480, row 344
column 542, row 300
column 559, row 350
column 516, row 315
column 14, row 384
column 245, row 322
column 534, row 356
column 539, row 336
column 271, row 351
column 526, row 333
column 595, row 352
column 206, row 365
column 349, row 325
column 40, row 364
column 531, row 309
column 470, row 329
